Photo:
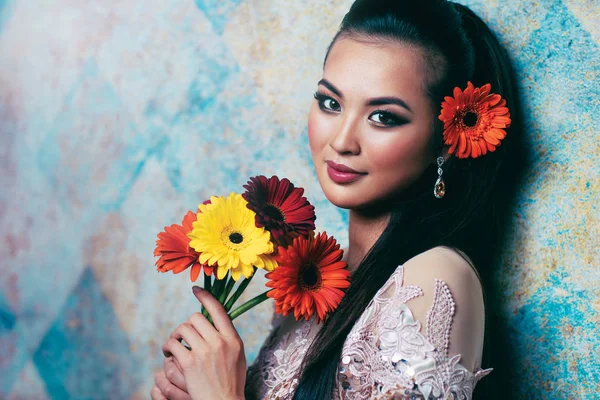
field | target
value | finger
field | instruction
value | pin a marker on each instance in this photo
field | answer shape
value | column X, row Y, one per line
column 203, row 326
column 156, row 394
column 173, row 347
column 187, row 332
column 178, row 366
column 169, row 390
column 217, row 312
column 173, row 373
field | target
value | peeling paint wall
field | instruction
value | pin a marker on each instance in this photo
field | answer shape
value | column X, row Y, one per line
column 117, row 117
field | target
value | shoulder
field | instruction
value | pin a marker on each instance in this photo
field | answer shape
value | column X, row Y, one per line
column 443, row 272
column 445, row 264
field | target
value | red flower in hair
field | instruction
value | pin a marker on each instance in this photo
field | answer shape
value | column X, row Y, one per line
column 474, row 121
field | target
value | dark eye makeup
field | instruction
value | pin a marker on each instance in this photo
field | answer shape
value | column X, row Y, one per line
column 326, row 103
column 387, row 118
column 381, row 118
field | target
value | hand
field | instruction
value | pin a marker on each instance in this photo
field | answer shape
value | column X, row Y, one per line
column 170, row 382
column 215, row 366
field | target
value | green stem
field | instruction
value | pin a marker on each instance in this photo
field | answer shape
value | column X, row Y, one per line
column 238, row 292
column 218, row 287
column 215, row 291
column 225, row 292
column 207, row 282
column 248, row 305
column 207, row 287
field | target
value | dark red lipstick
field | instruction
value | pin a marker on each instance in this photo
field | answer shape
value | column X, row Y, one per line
column 341, row 174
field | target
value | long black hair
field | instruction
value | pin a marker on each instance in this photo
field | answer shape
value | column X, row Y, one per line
column 472, row 216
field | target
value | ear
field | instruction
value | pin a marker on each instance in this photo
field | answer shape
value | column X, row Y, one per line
column 444, row 153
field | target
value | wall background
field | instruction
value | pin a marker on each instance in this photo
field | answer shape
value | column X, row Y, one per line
column 116, row 117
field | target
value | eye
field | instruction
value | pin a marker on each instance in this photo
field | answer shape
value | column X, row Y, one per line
column 387, row 119
column 326, row 103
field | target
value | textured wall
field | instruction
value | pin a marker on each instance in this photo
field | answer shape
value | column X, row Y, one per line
column 118, row 116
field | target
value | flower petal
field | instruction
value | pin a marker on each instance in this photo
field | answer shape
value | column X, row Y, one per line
column 492, row 116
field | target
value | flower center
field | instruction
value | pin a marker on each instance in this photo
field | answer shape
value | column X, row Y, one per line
column 310, row 277
column 273, row 212
column 470, row 119
column 236, row 238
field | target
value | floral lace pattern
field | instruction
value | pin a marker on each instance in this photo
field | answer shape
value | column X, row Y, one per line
column 274, row 374
column 384, row 357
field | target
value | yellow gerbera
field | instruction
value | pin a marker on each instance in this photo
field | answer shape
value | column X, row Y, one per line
column 225, row 234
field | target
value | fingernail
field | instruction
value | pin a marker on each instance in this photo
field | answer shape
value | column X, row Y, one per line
column 197, row 289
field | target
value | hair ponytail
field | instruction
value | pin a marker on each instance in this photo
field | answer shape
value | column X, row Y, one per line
column 491, row 60
column 471, row 215
column 492, row 65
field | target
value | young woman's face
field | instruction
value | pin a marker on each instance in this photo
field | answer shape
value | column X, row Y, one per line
column 371, row 125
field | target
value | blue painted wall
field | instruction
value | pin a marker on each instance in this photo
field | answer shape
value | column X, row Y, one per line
column 117, row 117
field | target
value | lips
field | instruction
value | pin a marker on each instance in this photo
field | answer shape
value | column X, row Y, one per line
column 342, row 174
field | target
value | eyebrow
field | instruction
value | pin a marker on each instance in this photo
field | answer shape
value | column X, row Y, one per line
column 377, row 101
column 380, row 101
column 330, row 86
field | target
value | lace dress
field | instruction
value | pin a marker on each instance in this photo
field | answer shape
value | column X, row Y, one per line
column 384, row 357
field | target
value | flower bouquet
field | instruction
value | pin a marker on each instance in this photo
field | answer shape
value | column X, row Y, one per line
column 270, row 226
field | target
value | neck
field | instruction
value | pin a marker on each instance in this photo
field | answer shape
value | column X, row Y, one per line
column 364, row 230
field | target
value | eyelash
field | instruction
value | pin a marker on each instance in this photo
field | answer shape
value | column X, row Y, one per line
column 396, row 120
column 321, row 98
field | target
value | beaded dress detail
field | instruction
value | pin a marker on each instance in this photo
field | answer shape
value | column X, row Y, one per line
column 385, row 356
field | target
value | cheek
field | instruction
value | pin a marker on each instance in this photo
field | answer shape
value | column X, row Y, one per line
column 400, row 158
column 317, row 131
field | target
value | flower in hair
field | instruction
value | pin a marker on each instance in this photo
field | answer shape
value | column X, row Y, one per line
column 474, row 121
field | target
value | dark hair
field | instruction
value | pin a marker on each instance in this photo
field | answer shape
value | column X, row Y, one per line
column 472, row 216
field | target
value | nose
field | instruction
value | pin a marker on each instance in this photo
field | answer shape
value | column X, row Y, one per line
column 345, row 141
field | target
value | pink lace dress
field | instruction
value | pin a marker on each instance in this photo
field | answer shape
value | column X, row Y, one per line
column 384, row 357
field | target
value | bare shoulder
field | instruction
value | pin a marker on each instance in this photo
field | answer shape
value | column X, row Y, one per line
column 446, row 265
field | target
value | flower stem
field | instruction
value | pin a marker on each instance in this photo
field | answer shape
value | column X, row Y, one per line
column 248, row 305
column 216, row 292
column 238, row 292
column 207, row 287
column 223, row 295
column 218, row 287
column 207, row 282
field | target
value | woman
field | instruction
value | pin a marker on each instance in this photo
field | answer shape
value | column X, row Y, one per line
column 426, row 209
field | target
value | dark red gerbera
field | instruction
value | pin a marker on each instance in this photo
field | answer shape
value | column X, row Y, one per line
column 280, row 207
column 311, row 277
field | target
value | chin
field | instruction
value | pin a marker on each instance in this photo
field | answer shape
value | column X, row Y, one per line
column 364, row 195
column 348, row 196
column 343, row 202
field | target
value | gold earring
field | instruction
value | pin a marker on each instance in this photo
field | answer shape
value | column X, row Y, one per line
column 439, row 190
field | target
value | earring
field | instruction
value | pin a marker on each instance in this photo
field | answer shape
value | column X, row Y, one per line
column 439, row 190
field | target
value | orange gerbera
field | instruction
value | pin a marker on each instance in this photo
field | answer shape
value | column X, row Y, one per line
column 474, row 121
column 311, row 277
column 173, row 247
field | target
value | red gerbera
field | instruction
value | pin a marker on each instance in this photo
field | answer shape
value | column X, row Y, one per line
column 311, row 277
column 280, row 207
column 175, row 253
column 474, row 121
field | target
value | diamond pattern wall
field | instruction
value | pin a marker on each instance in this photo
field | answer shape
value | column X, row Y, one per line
column 86, row 353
